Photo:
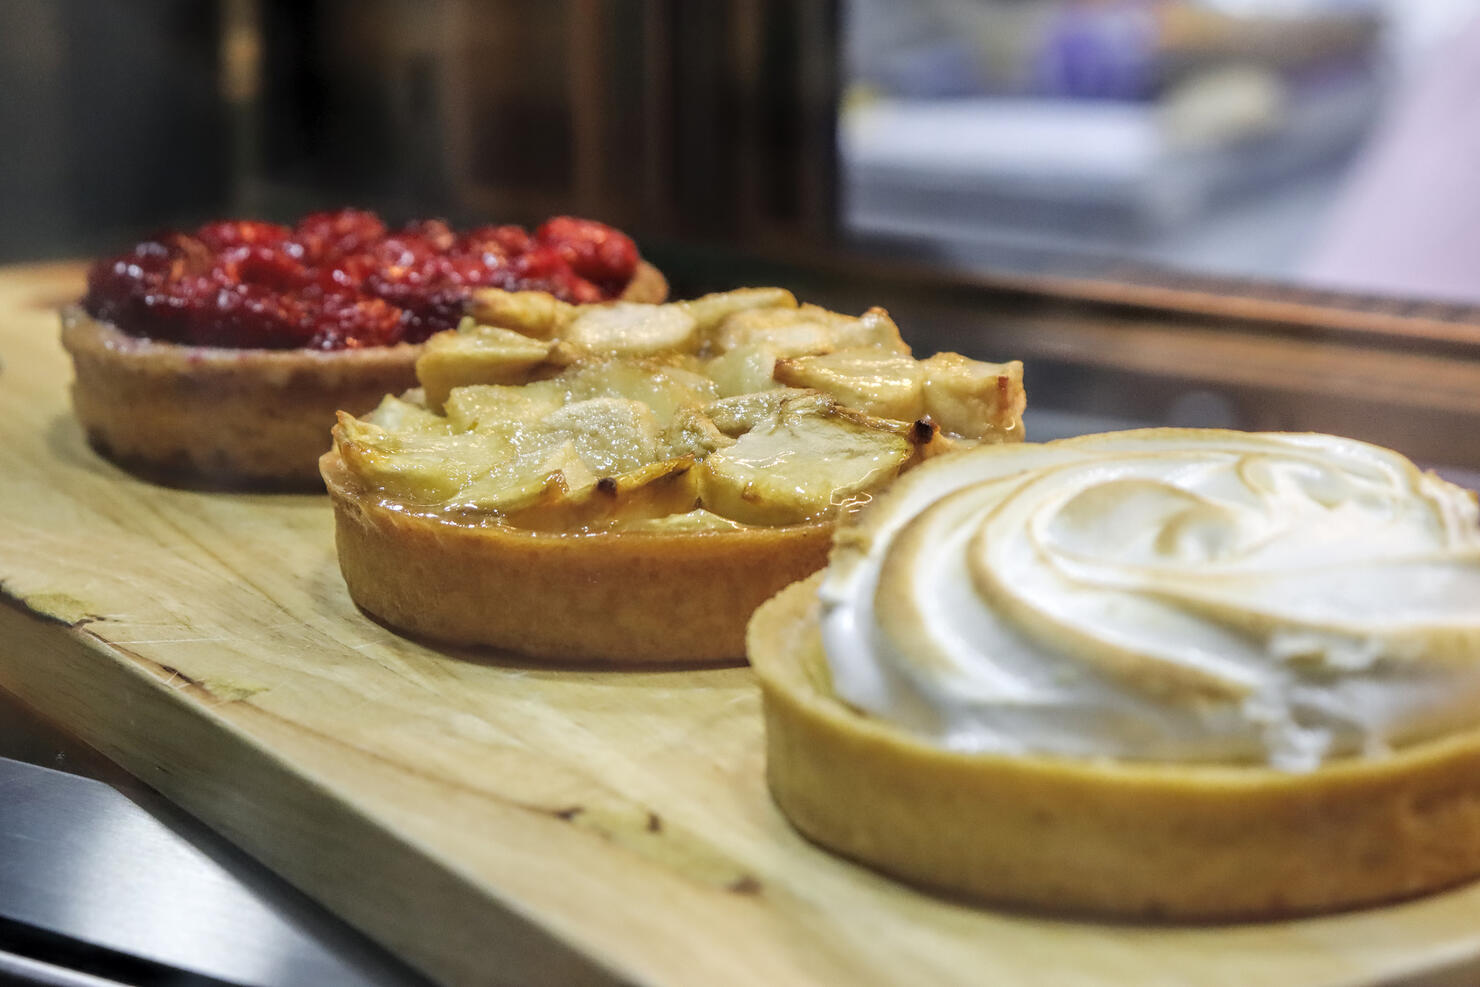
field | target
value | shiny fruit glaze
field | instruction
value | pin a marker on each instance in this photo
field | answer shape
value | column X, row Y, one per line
column 343, row 280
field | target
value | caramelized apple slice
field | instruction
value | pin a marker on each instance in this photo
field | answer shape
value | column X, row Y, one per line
column 533, row 313
column 631, row 329
column 477, row 354
column 611, row 435
column 418, row 467
column 654, row 490
column 503, row 463
column 664, row 388
column 873, row 328
column 966, row 398
column 799, row 467
column 974, row 399
column 808, row 330
column 739, row 414
column 407, row 413
column 693, row 433
column 542, row 469
column 886, row 384
column 498, row 407
column 709, row 311
column 743, row 370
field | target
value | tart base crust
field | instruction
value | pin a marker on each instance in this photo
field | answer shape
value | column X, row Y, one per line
column 218, row 416
column 618, row 597
column 1121, row 839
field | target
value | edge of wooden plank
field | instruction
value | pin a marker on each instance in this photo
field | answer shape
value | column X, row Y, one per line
column 67, row 669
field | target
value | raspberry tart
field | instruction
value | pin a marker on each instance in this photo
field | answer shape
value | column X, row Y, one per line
column 221, row 355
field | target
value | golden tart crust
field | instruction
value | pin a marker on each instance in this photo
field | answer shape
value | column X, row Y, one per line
column 231, row 416
column 1113, row 838
column 235, row 417
column 617, row 597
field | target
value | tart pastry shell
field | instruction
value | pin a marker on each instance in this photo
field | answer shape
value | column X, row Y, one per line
column 611, row 597
column 1110, row 838
column 234, row 417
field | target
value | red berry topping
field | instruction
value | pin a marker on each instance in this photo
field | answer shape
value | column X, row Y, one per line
column 347, row 273
column 594, row 251
column 434, row 232
column 269, row 267
column 347, row 321
column 545, row 269
column 324, row 236
column 339, row 280
column 271, row 319
column 237, row 233
column 500, row 241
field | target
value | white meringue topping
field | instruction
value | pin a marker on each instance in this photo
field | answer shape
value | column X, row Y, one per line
column 1168, row 595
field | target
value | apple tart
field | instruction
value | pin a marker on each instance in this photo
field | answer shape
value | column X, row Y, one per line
column 1187, row 674
column 627, row 482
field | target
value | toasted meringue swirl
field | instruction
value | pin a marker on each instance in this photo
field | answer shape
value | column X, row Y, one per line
column 1168, row 595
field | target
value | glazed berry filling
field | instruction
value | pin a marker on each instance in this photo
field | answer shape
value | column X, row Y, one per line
column 342, row 280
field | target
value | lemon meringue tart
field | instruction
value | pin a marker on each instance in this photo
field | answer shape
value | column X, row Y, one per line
column 628, row 482
column 1186, row 674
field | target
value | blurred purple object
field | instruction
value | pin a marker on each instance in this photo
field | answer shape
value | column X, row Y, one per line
column 1104, row 51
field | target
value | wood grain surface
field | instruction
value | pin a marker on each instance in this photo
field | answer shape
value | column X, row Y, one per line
column 490, row 821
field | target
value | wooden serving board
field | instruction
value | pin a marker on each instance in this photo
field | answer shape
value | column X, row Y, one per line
column 490, row 820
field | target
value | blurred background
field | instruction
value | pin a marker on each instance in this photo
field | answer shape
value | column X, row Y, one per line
column 1263, row 213
column 1225, row 136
